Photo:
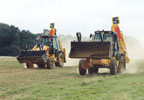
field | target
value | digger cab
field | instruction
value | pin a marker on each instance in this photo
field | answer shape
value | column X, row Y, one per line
column 107, row 36
column 104, row 36
column 51, row 42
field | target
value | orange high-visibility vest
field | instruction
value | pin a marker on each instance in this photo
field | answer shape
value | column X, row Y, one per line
column 52, row 31
column 115, row 28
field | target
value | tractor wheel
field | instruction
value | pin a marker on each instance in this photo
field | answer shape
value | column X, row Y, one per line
column 29, row 65
column 50, row 63
column 90, row 70
column 120, row 69
column 81, row 70
column 41, row 65
column 60, row 60
column 124, row 62
column 121, row 65
column 113, row 67
column 95, row 70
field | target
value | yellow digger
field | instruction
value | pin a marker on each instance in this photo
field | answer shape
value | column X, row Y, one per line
column 106, row 49
column 46, row 53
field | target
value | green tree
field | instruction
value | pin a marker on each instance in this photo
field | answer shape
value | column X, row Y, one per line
column 12, row 40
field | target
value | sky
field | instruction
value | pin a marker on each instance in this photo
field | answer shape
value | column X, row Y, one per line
column 71, row 16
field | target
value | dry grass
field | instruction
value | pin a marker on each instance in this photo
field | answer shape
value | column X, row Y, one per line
column 18, row 83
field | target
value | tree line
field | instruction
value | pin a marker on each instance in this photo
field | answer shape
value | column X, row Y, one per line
column 12, row 40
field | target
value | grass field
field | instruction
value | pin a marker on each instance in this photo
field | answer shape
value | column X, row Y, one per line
column 18, row 83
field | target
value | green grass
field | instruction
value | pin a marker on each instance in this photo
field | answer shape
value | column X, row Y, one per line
column 18, row 83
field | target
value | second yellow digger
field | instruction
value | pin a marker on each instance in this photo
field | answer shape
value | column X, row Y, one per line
column 106, row 49
column 46, row 53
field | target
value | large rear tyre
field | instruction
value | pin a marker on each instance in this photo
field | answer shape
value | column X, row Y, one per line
column 124, row 62
column 113, row 67
column 82, row 71
column 60, row 60
column 95, row 70
column 29, row 65
column 121, row 65
column 120, row 69
column 50, row 63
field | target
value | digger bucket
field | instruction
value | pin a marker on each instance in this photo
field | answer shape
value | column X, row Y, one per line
column 98, row 50
column 32, row 56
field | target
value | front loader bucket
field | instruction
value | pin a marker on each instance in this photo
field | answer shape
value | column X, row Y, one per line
column 32, row 56
column 98, row 50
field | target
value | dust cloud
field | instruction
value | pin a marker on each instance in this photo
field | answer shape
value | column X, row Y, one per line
column 135, row 52
column 131, row 67
column 134, row 49
column 66, row 42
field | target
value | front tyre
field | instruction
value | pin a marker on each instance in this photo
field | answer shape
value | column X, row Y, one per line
column 82, row 71
column 113, row 67
column 50, row 63
column 29, row 65
column 60, row 60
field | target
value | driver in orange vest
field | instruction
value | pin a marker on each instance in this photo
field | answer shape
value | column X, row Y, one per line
column 52, row 30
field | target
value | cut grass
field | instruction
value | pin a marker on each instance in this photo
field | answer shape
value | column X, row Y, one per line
column 18, row 83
